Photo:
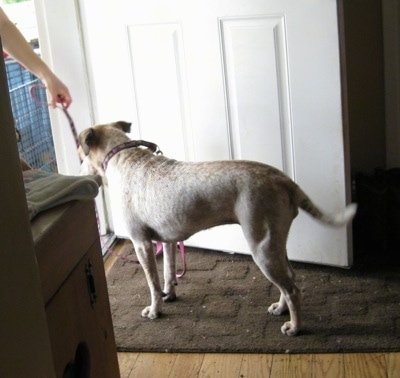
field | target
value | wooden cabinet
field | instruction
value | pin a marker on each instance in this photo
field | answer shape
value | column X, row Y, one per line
column 71, row 268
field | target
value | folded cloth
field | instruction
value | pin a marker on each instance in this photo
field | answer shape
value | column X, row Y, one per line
column 45, row 190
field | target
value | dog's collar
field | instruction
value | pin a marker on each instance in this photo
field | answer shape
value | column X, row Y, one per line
column 132, row 143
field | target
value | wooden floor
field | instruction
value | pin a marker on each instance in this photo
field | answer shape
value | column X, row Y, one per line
column 177, row 365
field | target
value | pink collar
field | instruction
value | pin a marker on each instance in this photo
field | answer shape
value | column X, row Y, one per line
column 132, row 143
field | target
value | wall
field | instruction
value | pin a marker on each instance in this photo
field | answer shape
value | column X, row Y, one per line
column 363, row 74
column 23, row 329
column 391, row 28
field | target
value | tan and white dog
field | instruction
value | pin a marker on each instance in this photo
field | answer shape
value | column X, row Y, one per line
column 167, row 200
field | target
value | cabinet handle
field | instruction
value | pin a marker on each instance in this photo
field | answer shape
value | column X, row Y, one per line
column 90, row 282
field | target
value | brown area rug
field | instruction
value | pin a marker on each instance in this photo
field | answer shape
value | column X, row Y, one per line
column 222, row 307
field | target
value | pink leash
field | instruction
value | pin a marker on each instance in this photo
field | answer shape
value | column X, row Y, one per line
column 32, row 92
column 159, row 248
column 181, row 247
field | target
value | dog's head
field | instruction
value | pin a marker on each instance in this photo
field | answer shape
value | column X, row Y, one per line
column 97, row 141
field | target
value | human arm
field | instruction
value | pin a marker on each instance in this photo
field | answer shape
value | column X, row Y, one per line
column 15, row 45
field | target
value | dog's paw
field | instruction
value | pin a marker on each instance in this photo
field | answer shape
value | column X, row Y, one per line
column 149, row 313
column 289, row 330
column 276, row 309
column 169, row 297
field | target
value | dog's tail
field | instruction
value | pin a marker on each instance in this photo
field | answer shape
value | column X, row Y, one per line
column 337, row 219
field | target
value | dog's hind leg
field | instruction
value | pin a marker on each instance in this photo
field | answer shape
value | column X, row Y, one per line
column 146, row 257
column 281, row 307
column 269, row 253
column 279, row 274
column 169, row 271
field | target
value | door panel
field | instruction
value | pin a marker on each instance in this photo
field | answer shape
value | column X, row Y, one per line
column 242, row 79
column 256, row 81
column 159, row 77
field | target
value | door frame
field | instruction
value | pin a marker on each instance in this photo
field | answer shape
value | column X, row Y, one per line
column 63, row 50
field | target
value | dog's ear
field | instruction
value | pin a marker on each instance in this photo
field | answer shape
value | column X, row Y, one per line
column 88, row 138
column 124, row 126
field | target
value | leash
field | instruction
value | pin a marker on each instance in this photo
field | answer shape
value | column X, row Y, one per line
column 134, row 143
column 32, row 92
column 158, row 251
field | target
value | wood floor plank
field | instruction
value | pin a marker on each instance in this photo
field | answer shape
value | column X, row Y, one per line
column 292, row 365
column 256, row 365
column 328, row 365
column 221, row 365
column 113, row 253
column 280, row 366
column 360, row 365
column 300, row 365
column 153, row 365
column 187, row 364
column 126, row 363
column 393, row 365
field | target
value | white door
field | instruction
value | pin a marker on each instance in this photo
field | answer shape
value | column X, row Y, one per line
column 239, row 79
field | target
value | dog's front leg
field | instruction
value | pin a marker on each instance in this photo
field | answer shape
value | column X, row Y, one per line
column 169, row 271
column 146, row 257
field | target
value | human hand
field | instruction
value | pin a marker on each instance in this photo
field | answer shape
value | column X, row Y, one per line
column 57, row 92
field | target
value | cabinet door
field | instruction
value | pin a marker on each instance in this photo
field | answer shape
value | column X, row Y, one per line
column 79, row 321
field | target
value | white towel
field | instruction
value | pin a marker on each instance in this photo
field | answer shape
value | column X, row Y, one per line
column 45, row 190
